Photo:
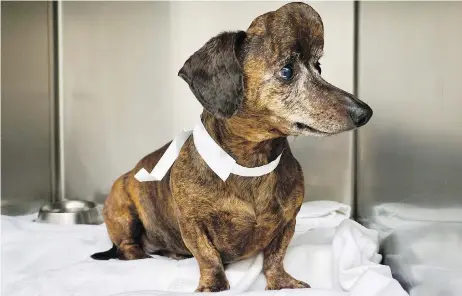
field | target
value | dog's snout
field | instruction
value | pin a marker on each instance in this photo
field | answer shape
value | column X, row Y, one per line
column 360, row 115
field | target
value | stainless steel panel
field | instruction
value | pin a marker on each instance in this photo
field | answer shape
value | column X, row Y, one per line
column 117, row 84
column 25, row 121
column 123, row 98
column 410, row 154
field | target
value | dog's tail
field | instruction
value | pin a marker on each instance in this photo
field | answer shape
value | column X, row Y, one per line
column 109, row 254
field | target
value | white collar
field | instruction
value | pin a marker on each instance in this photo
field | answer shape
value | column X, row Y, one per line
column 215, row 157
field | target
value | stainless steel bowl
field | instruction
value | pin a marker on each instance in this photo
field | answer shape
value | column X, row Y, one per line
column 70, row 212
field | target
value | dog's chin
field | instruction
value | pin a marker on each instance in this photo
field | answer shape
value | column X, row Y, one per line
column 302, row 129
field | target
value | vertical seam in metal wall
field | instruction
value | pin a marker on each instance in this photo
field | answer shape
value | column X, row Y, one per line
column 60, row 85
column 52, row 89
column 56, row 127
column 356, row 93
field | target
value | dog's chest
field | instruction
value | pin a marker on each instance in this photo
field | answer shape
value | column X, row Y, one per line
column 248, row 219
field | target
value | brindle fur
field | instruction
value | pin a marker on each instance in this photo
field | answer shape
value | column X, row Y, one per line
column 249, row 112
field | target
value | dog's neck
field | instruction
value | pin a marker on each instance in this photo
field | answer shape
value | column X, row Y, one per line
column 246, row 151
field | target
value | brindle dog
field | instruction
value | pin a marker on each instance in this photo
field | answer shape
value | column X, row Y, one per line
column 257, row 87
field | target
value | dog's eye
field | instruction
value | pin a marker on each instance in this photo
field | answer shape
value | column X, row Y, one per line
column 287, row 72
column 317, row 66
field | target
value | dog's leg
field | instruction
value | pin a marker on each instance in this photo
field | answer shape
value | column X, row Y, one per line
column 122, row 223
column 212, row 272
column 277, row 278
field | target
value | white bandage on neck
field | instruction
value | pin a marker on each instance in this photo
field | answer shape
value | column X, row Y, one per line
column 215, row 157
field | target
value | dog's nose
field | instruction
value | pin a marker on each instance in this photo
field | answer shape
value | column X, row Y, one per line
column 360, row 115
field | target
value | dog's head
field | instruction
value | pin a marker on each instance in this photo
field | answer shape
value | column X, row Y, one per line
column 270, row 77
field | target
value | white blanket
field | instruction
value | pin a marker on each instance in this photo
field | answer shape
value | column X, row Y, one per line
column 332, row 253
column 423, row 244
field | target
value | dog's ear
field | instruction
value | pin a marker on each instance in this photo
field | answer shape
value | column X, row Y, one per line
column 215, row 76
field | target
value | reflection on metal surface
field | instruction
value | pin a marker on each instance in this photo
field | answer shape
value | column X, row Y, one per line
column 26, row 181
column 410, row 154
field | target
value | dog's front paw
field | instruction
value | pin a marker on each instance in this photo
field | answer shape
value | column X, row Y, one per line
column 216, row 283
column 284, row 281
column 213, row 287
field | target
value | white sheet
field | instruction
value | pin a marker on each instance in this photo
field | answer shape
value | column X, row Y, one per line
column 414, row 237
column 335, row 255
